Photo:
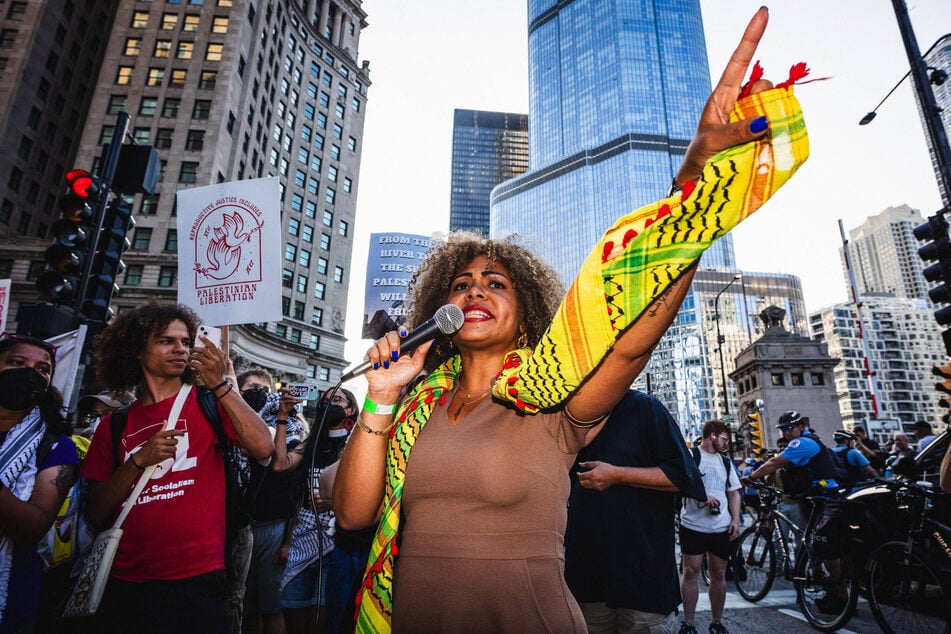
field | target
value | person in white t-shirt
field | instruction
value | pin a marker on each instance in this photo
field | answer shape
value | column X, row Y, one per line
column 709, row 528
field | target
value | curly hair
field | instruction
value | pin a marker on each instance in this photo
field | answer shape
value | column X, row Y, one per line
column 537, row 287
column 121, row 343
column 714, row 426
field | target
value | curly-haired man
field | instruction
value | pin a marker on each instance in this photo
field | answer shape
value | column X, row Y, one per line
column 169, row 572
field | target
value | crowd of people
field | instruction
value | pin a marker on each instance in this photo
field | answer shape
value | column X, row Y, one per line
column 503, row 478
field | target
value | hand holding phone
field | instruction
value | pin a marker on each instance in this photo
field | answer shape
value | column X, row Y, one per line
column 302, row 391
column 209, row 332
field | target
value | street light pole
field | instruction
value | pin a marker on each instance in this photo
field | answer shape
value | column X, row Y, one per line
column 720, row 340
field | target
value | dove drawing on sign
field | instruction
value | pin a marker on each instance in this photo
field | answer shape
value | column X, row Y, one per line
column 224, row 251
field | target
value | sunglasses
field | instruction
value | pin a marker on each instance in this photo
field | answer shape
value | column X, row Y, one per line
column 31, row 341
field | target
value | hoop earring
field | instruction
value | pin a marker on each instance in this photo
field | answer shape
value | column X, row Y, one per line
column 522, row 341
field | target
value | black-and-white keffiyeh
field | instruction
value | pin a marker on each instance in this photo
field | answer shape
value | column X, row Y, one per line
column 18, row 474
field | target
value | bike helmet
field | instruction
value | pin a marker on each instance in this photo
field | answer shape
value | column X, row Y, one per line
column 789, row 419
column 842, row 435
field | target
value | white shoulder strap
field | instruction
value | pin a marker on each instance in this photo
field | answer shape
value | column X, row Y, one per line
column 147, row 473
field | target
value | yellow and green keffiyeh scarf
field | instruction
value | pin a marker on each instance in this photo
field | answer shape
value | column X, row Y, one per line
column 634, row 263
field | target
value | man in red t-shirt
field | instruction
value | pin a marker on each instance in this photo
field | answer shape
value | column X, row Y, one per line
column 169, row 572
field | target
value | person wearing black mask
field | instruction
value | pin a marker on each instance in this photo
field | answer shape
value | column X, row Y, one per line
column 38, row 465
column 304, row 582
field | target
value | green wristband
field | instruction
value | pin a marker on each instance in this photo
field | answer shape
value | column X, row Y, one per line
column 375, row 408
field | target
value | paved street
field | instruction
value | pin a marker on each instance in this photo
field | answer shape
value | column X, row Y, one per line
column 777, row 613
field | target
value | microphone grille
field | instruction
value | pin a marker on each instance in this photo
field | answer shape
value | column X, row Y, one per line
column 449, row 319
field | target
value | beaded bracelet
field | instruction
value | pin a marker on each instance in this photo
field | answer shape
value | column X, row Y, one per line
column 376, row 408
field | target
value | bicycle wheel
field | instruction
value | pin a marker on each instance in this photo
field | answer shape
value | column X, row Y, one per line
column 904, row 592
column 755, row 567
column 826, row 589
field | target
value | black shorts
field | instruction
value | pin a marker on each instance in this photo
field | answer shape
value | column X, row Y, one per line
column 697, row 543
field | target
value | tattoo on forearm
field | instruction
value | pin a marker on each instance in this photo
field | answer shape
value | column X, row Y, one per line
column 64, row 479
column 661, row 300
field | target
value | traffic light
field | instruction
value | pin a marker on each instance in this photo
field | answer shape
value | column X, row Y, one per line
column 72, row 238
column 107, row 263
column 755, row 422
column 938, row 250
column 944, row 371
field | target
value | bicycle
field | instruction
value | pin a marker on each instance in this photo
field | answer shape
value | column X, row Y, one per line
column 756, row 546
column 909, row 581
column 826, row 582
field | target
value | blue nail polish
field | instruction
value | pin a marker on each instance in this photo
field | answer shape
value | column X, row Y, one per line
column 758, row 125
column 386, row 364
column 403, row 331
column 376, row 366
column 396, row 354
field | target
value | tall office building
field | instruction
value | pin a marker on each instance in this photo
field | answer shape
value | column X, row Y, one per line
column 230, row 90
column 487, row 149
column 690, row 367
column 615, row 91
column 884, row 254
column 904, row 344
column 939, row 57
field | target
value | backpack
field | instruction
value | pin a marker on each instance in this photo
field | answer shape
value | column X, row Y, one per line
column 845, row 472
column 238, row 492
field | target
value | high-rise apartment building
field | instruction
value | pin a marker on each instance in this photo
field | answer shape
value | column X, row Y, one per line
column 904, row 343
column 487, row 149
column 615, row 91
column 884, row 254
column 230, row 90
column 719, row 318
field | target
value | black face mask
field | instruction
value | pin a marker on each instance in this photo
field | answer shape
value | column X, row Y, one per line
column 255, row 398
column 21, row 388
column 335, row 416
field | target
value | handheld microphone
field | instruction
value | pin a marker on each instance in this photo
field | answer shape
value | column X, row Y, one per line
column 447, row 321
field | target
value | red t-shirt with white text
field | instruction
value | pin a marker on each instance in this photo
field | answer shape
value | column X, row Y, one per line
column 177, row 527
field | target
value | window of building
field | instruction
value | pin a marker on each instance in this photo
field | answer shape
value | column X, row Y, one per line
column 162, row 48
column 307, row 235
column 287, row 278
column 335, row 152
column 171, row 106
column 214, row 52
column 295, row 335
column 156, row 77
column 332, row 174
column 195, row 140
column 133, row 46
column 171, row 240
column 344, row 228
column 310, row 209
column 316, row 316
column 325, row 242
column 140, row 19
column 124, row 75
column 116, row 105
column 301, row 283
column 147, row 107
column 315, row 163
column 312, row 186
column 202, row 109
column 355, row 104
column 189, row 173
column 339, row 111
column 309, row 111
column 328, row 218
column 169, row 21
column 817, row 378
column 219, row 25
column 324, row 100
column 347, row 184
column 163, row 138
column 330, row 195
column 141, row 135
column 352, row 144
column 776, row 378
column 293, row 226
column 299, row 310
column 141, row 238
column 321, row 120
column 304, row 258
column 168, row 275
column 322, row 265
column 149, row 205
column 281, row 331
column 320, row 290
column 796, row 378
column 178, row 78
column 314, row 342
column 338, row 274
column 208, row 79
column 191, row 23
column 185, row 50
column 290, row 252
column 285, row 306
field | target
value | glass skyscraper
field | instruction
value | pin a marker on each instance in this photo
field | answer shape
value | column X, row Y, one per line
column 487, row 149
column 615, row 91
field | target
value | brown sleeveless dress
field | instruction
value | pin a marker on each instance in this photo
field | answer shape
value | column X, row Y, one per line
column 485, row 508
